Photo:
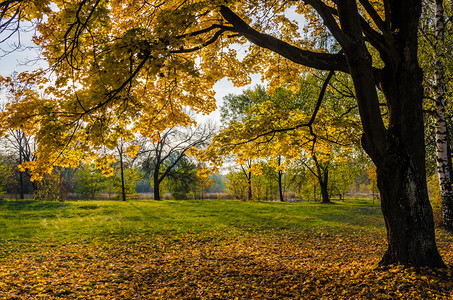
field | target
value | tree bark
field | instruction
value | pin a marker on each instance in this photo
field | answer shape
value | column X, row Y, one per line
column 322, row 174
column 280, row 186
column 123, row 189
column 249, row 183
column 156, row 184
column 21, row 174
column 323, row 183
column 397, row 150
column 442, row 145
column 280, row 181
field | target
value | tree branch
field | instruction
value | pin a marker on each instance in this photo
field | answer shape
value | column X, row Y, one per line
column 326, row 12
column 374, row 15
column 321, row 61
column 309, row 124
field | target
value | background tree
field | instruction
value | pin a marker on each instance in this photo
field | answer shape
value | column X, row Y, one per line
column 182, row 179
column 343, row 175
column 270, row 128
column 125, row 149
column 238, row 109
column 203, row 180
column 302, row 181
column 162, row 156
column 90, row 181
column 434, row 44
column 16, row 141
column 6, row 176
column 24, row 147
column 49, row 188
column 124, row 184
column 267, row 181
column 218, row 186
column 237, row 185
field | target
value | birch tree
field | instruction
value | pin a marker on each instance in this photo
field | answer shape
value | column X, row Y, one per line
column 442, row 139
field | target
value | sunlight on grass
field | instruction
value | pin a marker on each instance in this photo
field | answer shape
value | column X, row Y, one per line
column 30, row 220
column 204, row 250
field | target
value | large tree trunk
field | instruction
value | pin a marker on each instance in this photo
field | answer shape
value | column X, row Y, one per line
column 401, row 170
column 398, row 151
column 407, row 213
column 442, row 157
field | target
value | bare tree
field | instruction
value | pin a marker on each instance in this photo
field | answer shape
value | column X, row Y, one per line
column 159, row 158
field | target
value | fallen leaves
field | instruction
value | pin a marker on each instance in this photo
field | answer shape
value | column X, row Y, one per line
column 218, row 265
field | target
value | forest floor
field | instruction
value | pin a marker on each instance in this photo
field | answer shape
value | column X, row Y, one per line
column 205, row 250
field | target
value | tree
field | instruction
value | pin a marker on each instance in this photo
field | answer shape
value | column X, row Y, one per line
column 203, row 180
column 162, row 156
column 18, row 143
column 49, row 188
column 115, row 61
column 24, row 147
column 123, row 150
column 344, row 173
column 268, row 180
column 398, row 148
column 433, row 42
column 238, row 109
column 182, row 179
column 124, row 183
column 237, row 185
column 442, row 141
column 218, row 186
column 90, row 181
column 6, row 175
column 321, row 172
column 269, row 128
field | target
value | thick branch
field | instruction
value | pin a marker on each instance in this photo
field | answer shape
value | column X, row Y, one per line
column 207, row 43
column 374, row 37
column 321, row 61
column 374, row 15
column 326, row 12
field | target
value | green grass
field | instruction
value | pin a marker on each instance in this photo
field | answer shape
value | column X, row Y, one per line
column 31, row 221
column 205, row 250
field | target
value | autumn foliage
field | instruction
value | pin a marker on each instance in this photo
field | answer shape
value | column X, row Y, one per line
column 278, row 258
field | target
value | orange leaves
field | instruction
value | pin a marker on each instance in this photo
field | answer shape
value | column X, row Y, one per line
column 132, row 150
column 216, row 265
column 212, row 250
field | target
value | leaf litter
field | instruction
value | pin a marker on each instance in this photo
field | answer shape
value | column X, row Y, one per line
column 218, row 265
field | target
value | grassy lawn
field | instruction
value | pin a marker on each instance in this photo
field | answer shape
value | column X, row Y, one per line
column 204, row 250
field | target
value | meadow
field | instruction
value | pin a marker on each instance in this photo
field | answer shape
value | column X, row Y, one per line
column 205, row 250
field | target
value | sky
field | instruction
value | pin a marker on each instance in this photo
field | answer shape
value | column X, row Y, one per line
column 223, row 88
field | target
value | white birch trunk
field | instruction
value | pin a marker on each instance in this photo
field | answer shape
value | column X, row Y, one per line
column 443, row 167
